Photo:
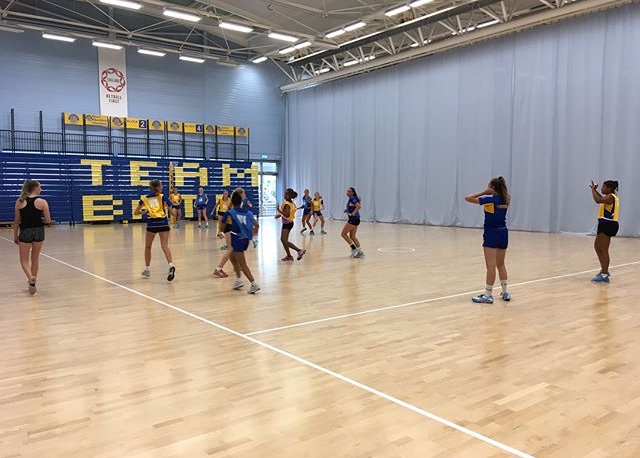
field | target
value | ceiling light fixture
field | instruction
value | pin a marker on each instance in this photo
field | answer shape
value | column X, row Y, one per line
column 123, row 4
column 102, row 44
column 282, row 37
column 397, row 10
column 287, row 50
column 356, row 26
column 53, row 36
column 181, row 15
column 197, row 60
column 236, row 27
column 419, row 3
column 304, row 44
column 150, row 52
column 335, row 33
column 259, row 60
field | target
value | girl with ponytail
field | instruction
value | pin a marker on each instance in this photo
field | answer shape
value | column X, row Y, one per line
column 31, row 215
column 350, row 228
column 495, row 200
column 608, row 215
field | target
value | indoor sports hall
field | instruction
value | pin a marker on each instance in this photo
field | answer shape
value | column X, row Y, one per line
column 337, row 228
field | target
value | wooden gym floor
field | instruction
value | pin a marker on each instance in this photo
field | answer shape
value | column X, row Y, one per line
column 384, row 356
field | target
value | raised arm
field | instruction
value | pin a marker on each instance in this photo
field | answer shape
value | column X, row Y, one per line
column 599, row 198
column 475, row 198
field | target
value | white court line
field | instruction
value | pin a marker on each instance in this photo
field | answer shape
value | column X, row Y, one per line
column 350, row 381
column 426, row 301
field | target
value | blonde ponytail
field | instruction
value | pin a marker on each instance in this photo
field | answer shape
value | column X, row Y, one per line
column 27, row 188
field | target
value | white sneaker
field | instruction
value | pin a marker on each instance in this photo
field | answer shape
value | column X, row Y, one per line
column 146, row 273
column 254, row 288
column 359, row 253
column 238, row 283
column 32, row 286
column 353, row 253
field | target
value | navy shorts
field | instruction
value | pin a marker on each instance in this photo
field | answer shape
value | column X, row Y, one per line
column 201, row 207
column 496, row 238
column 608, row 228
column 318, row 213
column 354, row 220
column 239, row 245
column 306, row 211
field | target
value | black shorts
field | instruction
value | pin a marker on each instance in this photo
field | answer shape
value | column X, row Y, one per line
column 608, row 228
column 354, row 220
column 221, row 214
column 31, row 234
column 287, row 226
column 227, row 228
column 157, row 229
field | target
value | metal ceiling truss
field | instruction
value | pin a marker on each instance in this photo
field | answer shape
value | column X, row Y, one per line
column 458, row 26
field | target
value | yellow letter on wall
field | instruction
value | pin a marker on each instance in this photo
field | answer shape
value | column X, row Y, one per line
column 188, row 199
column 90, row 207
column 140, row 177
column 199, row 172
column 96, row 169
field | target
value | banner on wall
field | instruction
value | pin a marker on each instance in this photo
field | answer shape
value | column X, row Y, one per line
column 226, row 131
column 96, row 120
column 242, row 131
column 112, row 81
column 173, row 126
column 155, row 124
column 193, row 128
column 73, row 119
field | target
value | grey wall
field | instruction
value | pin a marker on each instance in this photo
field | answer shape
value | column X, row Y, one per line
column 38, row 74
column 548, row 109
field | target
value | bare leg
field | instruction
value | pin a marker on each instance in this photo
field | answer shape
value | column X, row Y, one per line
column 322, row 223
column 164, row 243
column 35, row 258
column 490, row 261
column 502, row 269
column 242, row 262
column 227, row 255
column 602, row 250
column 236, row 264
column 284, row 238
column 345, row 234
column 24, row 249
column 352, row 235
column 147, row 248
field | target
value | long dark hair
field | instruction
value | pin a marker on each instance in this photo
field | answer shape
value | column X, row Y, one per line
column 355, row 194
column 236, row 197
column 499, row 185
column 611, row 184
column 291, row 193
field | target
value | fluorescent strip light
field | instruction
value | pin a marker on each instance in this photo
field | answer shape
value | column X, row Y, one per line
column 192, row 59
column 181, row 15
column 350, row 63
column 415, row 45
column 150, row 52
column 123, row 4
column 322, row 70
column 287, row 50
column 52, row 36
column 236, row 27
column 487, row 24
column 304, row 44
column 259, row 60
column 398, row 10
column 356, row 26
column 102, row 44
column 335, row 33
column 282, row 37
column 419, row 3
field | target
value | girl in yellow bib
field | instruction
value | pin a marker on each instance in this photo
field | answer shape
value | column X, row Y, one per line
column 287, row 211
column 156, row 207
column 608, row 215
column 223, row 205
column 317, row 204
column 176, row 201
